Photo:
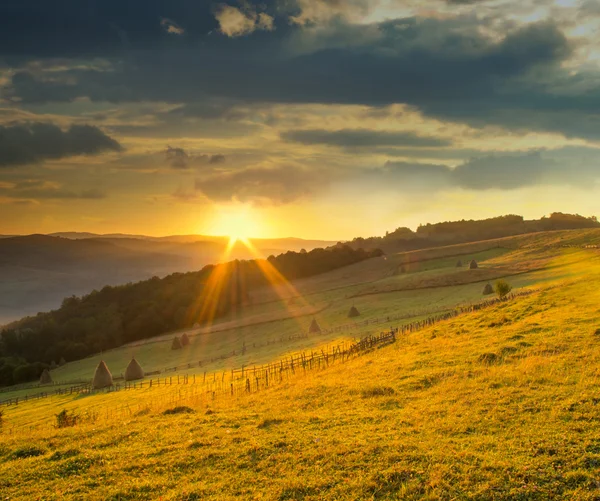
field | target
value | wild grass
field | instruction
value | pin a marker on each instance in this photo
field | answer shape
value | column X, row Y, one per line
column 427, row 418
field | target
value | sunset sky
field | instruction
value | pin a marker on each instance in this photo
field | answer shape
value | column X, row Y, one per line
column 311, row 118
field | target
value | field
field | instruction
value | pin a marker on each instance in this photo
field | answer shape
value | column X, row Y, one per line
column 500, row 403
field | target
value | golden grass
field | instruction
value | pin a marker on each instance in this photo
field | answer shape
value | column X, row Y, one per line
column 424, row 419
column 501, row 404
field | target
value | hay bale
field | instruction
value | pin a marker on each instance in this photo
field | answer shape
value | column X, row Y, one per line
column 353, row 312
column 185, row 340
column 45, row 378
column 102, row 377
column 314, row 327
column 473, row 265
column 488, row 289
column 134, row 371
column 176, row 344
column 459, row 264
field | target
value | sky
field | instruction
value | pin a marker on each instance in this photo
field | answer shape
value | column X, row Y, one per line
column 311, row 118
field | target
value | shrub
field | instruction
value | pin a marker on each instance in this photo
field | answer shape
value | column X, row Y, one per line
column 377, row 391
column 28, row 451
column 488, row 358
column 266, row 423
column 182, row 409
column 58, row 455
column 65, row 419
column 502, row 288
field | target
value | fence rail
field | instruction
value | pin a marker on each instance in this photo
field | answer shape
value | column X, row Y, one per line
column 217, row 381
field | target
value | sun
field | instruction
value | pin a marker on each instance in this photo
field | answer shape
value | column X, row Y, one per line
column 238, row 222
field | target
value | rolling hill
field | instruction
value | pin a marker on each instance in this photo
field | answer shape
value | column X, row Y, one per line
column 38, row 271
column 496, row 402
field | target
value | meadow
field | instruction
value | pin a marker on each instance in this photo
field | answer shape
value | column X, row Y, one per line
column 499, row 404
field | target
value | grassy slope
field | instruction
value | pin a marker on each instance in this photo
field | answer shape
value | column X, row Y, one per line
column 422, row 419
column 333, row 293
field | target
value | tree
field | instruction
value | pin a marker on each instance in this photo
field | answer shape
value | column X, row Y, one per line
column 502, row 288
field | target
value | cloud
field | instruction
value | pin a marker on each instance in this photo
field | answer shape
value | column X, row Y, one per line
column 499, row 172
column 313, row 11
column 233, row 22
column 171, row 26
column 178, row 158
column 446, row 68
column 37, row 189
column 361, row 138
column 263, row 186
column 35, row 142
column 475, row 69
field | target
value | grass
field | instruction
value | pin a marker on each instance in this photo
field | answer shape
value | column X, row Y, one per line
column 262, row 339
column 499, row 404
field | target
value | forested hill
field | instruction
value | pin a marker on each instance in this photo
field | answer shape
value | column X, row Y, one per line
column 456, row 232
column 113, row 316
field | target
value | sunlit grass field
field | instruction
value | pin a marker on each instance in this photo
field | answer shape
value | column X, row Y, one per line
column 499, row 404
column 330, row 296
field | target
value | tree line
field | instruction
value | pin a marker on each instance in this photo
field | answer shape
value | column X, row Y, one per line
column 456, row 232
column 113, row 316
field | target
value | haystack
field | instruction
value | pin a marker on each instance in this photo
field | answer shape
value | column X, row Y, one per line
column 45, row 378
column 185, row 340
column 102, row 377
column 53, row 365
column 353, row 312
column 62, row 361
column 459, row 264
column 473, row 265
column 176, row 345
column 314, row 327
column 134, row 371
column 488, row 289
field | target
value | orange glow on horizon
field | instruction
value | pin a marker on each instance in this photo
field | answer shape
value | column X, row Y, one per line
column 238, row 222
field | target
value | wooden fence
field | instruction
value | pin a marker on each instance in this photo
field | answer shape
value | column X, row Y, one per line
column 252, row 375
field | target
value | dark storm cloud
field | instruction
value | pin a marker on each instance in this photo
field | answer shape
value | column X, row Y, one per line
column 361, row 138
column 506, row 172
column 258, row 185
column 29, row 143
column 446, row 67
column 403, row 66
column 108, row 28
column 178, row 158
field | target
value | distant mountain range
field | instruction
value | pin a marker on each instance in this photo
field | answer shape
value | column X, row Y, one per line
column 38, row 271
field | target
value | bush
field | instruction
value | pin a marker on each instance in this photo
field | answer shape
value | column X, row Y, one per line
column 28, row 451
column 489, row 358
column 377, row 391
column 65, row 419
column 502, row 288
column 182, row 409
